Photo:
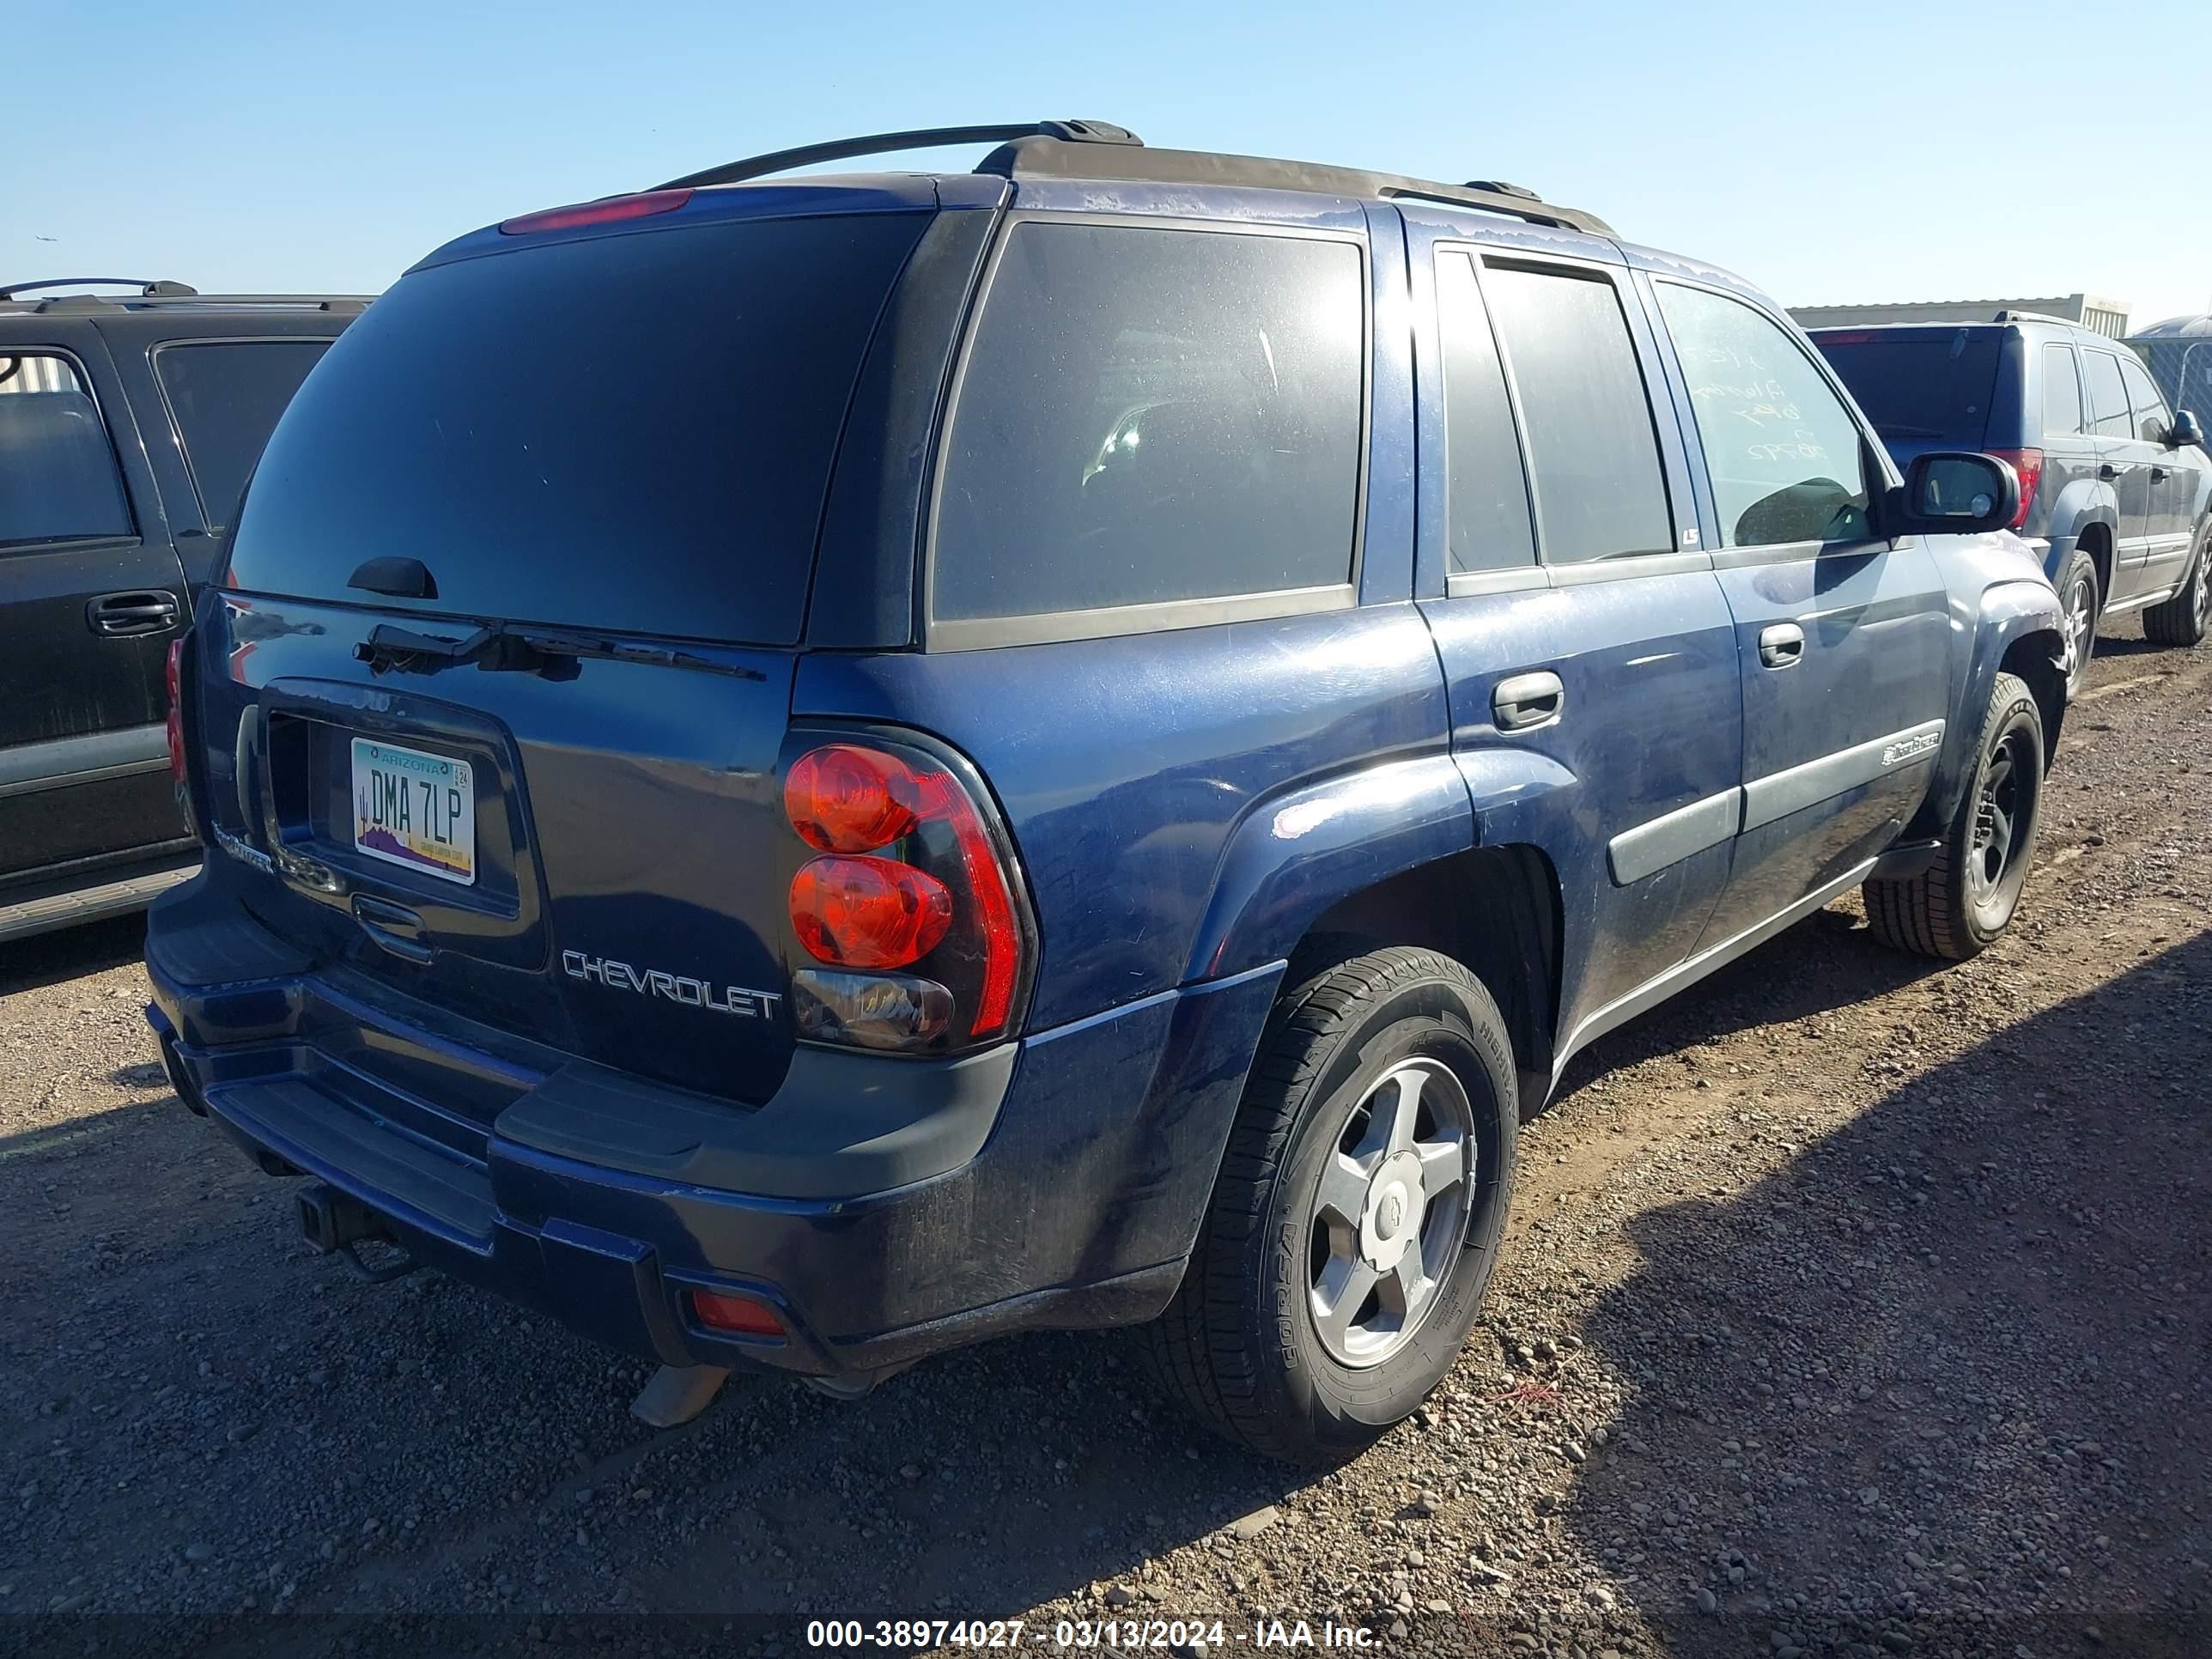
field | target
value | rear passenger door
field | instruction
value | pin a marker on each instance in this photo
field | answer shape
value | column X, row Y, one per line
column 90, row 596
column 2172, row 484
column 1843, row 639
column 2124, row 461
column 1586, row 644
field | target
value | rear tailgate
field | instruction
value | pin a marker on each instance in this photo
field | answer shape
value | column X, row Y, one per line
column 612, row 887
column 622, row 441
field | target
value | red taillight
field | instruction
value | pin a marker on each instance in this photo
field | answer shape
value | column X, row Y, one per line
column 740, row 1316
column 643, row 205
column 912, row 877
column 843, row 798
column 2028, row 463
column 174, row 676
column 868, row 912
column 995, row 905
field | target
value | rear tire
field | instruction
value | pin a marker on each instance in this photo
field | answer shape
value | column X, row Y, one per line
column 1287, row 1336
column 2184, row 619
column 2081, row 601
column 1958, row 905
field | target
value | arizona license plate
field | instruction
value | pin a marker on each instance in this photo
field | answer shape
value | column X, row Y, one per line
column 414, row 809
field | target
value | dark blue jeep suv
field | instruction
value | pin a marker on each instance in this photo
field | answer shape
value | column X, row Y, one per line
column 802, row 772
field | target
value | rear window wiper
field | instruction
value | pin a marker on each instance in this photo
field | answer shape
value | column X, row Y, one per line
column 503, row 647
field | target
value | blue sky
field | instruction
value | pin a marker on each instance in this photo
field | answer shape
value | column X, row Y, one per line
column 1827, row 153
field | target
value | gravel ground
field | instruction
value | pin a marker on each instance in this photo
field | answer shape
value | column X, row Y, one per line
column 1853, row 1306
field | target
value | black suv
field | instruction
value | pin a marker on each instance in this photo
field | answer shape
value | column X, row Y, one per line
column 127, row 428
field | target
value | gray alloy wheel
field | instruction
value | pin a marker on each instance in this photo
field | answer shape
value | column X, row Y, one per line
column 2078, row 604
column 1390, row 1212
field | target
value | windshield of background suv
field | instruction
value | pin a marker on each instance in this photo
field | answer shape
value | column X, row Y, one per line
column 1921, row 387
column 630, row 432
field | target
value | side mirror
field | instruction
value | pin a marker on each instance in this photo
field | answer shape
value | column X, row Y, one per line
column 1952, row 493
column 2184, row 430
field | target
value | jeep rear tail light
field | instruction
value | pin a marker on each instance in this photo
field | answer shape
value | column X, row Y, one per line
column 2028, row 463
column 173, row 674
column 911, row 900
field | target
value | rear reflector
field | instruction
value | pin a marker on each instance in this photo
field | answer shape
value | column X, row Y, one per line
column 173, row 674
column 642, row 206
column 740, row 1316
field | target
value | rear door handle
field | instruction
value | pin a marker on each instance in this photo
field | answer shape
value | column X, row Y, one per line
column 2109, row 471
column 1528, row 701
column 2159, row 474
column 1782, row 646
column 130, row 616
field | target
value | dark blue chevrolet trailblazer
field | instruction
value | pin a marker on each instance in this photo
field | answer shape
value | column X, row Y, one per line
column 804, row 771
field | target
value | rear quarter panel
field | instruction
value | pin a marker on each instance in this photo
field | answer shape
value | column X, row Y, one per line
column 1158, row 787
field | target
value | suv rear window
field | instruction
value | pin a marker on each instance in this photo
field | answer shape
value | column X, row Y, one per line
column 1918, row 388
column 1150, row 416
column 631, row 432
column 225, row 397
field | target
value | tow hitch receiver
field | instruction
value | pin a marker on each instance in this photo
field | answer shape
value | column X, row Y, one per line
column 332, row 1221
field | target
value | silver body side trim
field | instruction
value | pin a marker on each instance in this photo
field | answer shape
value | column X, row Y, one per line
column 1673, row 836
column 2140, row 601
column 1779, row 794
column 1653, row 992
column 28, row 768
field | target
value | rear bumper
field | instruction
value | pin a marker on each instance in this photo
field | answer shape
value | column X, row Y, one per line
column 886, row 1209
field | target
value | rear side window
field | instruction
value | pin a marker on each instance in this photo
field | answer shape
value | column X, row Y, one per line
column 2151, row 418
column 1785, row 455
column 1921, row 387
column 2108, row 396
column 2061, row 392
column 57, row 477
column 1486, row 488
column 1151, row 416
column 1600, row 492
column 631, row 431
column 225, row 397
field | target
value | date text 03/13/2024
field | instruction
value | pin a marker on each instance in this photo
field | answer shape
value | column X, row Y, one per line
column 1170, row 1635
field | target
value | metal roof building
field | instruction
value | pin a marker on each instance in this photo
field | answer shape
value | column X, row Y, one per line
column 2179, row 353
column 2108, row 317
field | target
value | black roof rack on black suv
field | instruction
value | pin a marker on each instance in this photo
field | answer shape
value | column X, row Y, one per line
column 1099, row 149
column 148, row 289
column 159, row 296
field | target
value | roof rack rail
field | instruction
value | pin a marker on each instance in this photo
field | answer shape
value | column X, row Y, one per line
column 880, row 143
column 1099, row 149
column 1047, row 156
column 147, row 289
column 2010, row 314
